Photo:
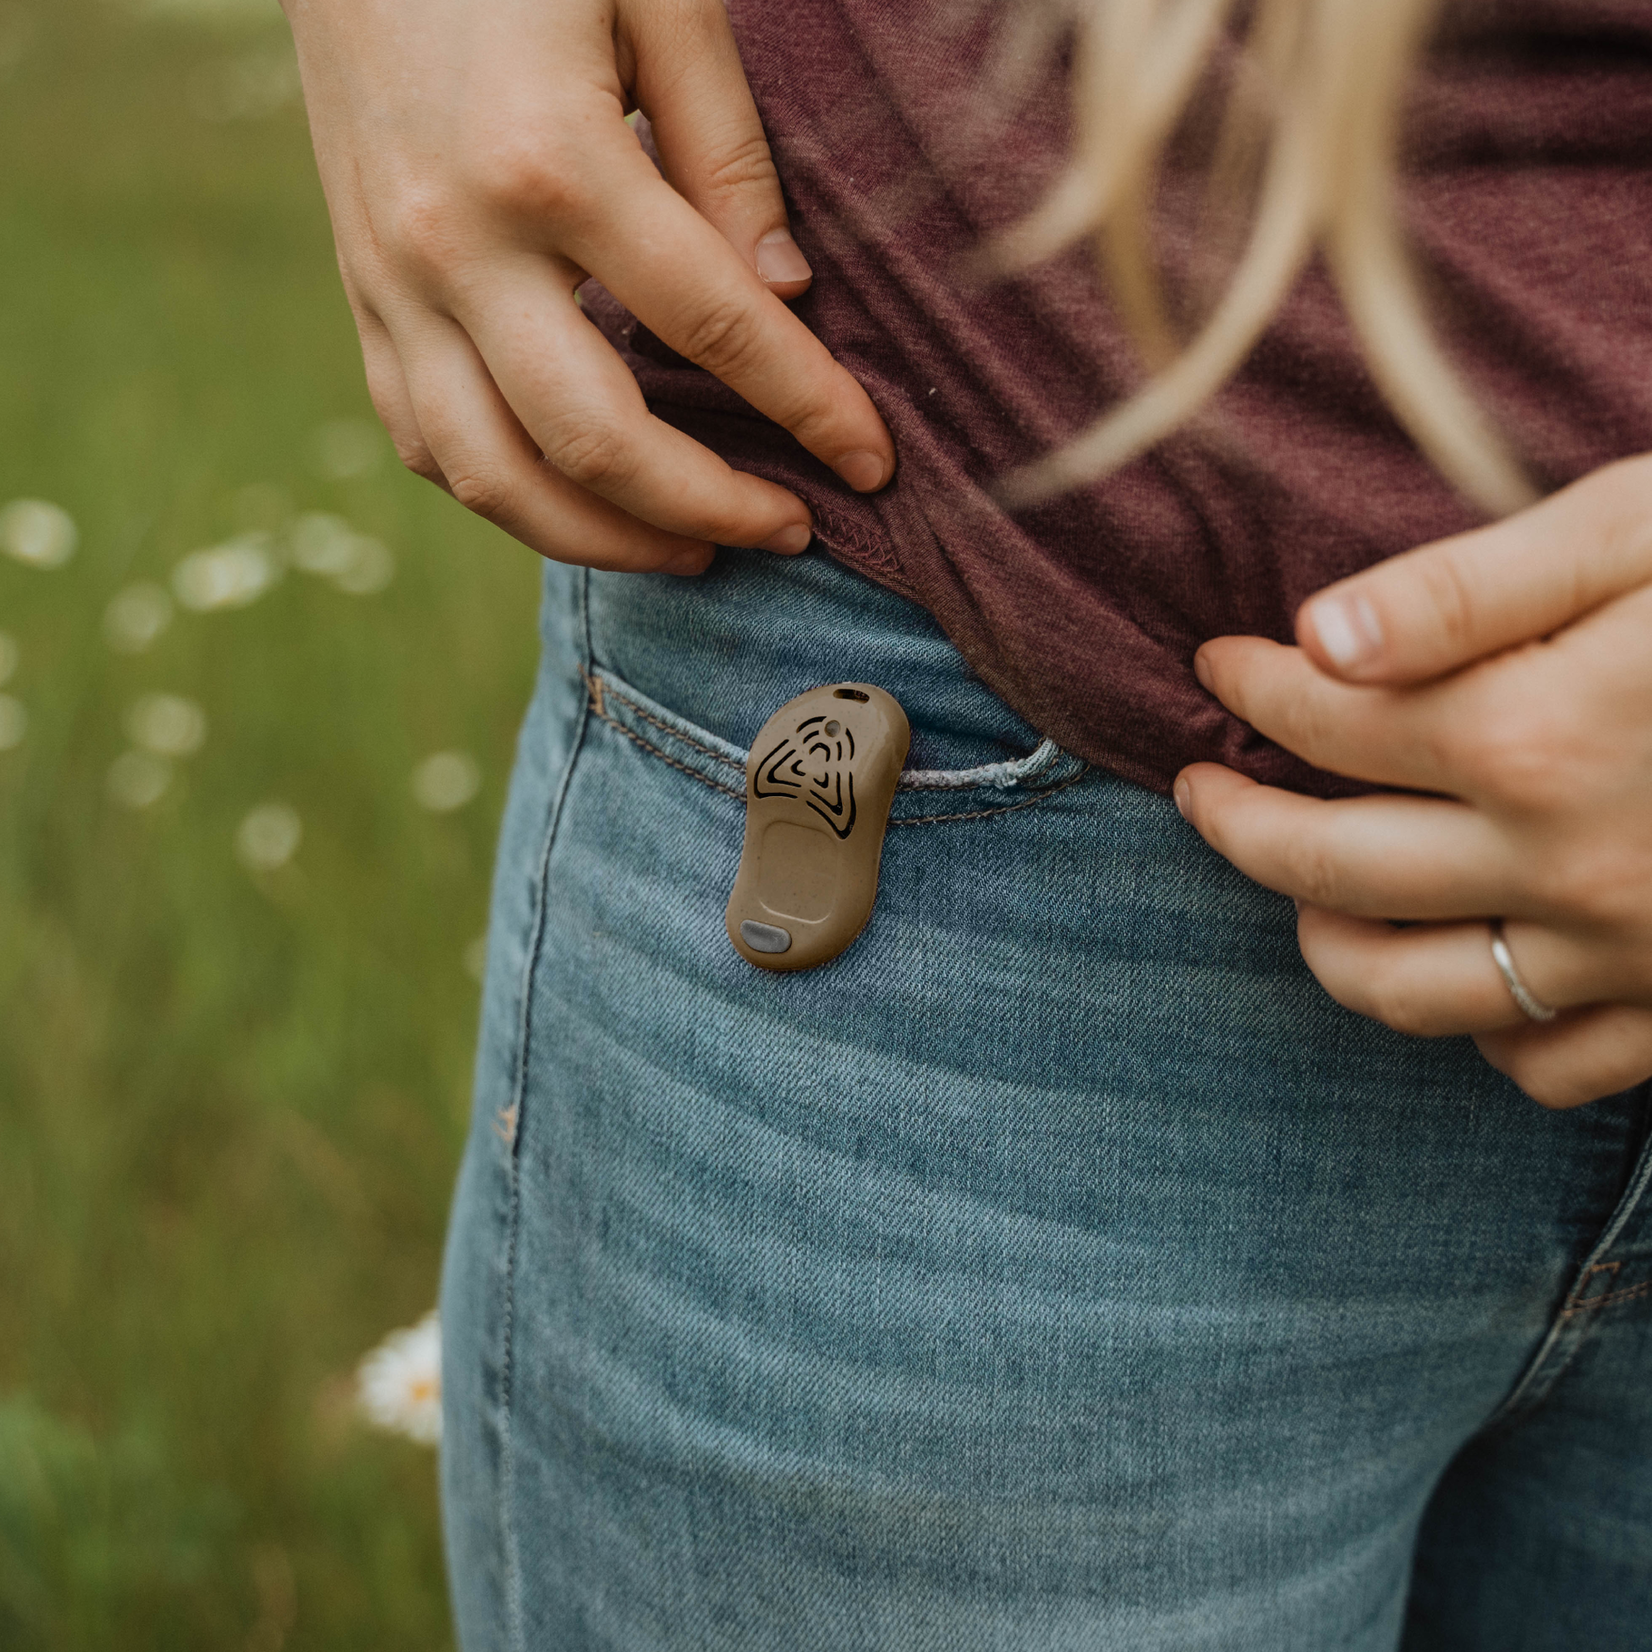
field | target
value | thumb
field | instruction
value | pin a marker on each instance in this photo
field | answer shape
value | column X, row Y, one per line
column 712, row 149
column 1444, row 605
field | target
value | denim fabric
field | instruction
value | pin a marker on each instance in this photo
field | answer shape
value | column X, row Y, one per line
column 1058, row 1268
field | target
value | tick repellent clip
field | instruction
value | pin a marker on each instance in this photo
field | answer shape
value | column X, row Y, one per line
column 819, row 782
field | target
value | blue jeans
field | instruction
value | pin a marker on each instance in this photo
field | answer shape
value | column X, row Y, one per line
column 1059, row 1268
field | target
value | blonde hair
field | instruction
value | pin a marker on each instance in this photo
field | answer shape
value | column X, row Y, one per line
column 1307, row 153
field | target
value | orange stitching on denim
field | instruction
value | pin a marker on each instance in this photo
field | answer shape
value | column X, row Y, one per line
column 593, row 687
column 1577, row 1299
column 666, row 728
column 1628, row 1294
column 654, row 751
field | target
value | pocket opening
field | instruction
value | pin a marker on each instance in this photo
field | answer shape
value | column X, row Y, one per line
column 722, row 764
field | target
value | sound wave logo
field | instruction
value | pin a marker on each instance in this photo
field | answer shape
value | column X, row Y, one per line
column 814, row 764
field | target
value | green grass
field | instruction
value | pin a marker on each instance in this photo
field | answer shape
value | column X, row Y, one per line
column 231, row 1105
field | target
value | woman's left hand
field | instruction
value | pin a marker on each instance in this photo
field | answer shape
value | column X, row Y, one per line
column 1508, row 671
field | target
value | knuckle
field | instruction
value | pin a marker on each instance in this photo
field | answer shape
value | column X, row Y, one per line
column 589, row 447
column 518, row 172
column 743, row 166
column 480, row 491
column 813, row 413
column 1309, row 724
column 422, row 231
column 722, row 338
column 1513, row 750
column 418, row 458
column 1314, row 875
column 1395, row 1001
column 1451, row 593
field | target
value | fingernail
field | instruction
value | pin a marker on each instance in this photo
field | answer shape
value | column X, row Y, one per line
column 1201, row 669
column 780, row 259
column 790, row 540
column 1348, row 629
column 864, row 472
column 1183, row 797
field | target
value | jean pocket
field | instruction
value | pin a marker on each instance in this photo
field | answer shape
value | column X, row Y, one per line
column 923, row 797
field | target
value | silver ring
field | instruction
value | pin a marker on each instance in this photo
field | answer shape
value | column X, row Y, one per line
column 1531, row 1006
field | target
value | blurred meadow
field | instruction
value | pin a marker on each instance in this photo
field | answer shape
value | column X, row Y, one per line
column 260, row 692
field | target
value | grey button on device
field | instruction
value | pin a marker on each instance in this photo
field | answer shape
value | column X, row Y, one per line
column 764, row 937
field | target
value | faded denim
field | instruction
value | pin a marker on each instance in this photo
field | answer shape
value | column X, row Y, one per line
column 1058, row 1269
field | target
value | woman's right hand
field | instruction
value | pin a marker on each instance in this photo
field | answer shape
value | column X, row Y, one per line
column 478, row 168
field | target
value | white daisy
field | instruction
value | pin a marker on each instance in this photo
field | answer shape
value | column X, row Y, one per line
column 446, row 780
column 167, row 725
column 372, row 567
column 323, row 544
column 40, row 534
column 399, row 1384
column 138, row 779
column 269, row 837
column 230, row 575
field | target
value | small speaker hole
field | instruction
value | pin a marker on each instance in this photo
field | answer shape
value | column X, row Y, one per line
column 849, row 694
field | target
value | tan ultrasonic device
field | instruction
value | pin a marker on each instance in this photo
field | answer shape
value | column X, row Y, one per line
column 819, row 782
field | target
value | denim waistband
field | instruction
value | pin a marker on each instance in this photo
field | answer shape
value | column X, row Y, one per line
column 691, row 669
column 724, row 650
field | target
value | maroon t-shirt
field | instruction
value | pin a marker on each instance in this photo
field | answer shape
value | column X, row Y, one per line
column 901, row 150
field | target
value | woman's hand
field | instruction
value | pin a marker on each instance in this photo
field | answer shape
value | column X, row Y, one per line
column 1510, row 671
column 478, row 167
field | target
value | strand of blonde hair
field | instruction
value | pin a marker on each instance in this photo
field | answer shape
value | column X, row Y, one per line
column 1314, row 118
